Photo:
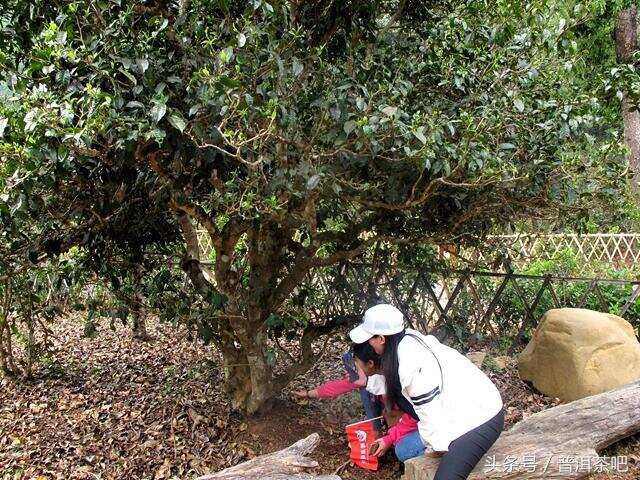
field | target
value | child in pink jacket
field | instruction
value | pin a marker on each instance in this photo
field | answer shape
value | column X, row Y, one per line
column 366, row 378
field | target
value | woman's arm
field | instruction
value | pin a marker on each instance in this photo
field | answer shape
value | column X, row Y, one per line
column 420, row 379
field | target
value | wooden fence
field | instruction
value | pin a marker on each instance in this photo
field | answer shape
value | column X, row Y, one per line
column 616, row 249
column 476, row 305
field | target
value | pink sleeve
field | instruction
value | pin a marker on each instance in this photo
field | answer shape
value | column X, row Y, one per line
column 336, row 388
column 405, row 425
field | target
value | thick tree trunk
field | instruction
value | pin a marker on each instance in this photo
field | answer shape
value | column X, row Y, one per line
column 4, row 361
column 138, row 312
column 626, row 34
column 253, row 341
column 261, row 374
column 9, row 366
column 560, row 442
column 237, row 378
column 289, row 463
column 247, row 294
column 240, row 337
column 248, row 377
column 140, row 326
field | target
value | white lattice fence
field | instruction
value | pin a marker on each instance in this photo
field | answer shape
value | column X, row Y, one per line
column 206, row 247
column 617, row 249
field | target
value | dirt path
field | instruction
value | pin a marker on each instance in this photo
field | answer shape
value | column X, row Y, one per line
column 114, row 408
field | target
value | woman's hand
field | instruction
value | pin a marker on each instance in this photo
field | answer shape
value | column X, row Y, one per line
column 431, row 453
column 378, row 448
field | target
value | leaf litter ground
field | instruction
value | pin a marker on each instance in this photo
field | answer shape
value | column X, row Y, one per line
column 113, row 407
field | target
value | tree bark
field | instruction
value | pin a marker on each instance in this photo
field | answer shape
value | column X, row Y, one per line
column 626, row 36
column 251, row 292
column 140, row 326
column 253, row 341
column 237, row 377
column 138, row 311
column 552, row 437
column 5, row 327
column 4, row 362
column 289, row 463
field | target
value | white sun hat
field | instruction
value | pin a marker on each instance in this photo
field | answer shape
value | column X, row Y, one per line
column 383, row 319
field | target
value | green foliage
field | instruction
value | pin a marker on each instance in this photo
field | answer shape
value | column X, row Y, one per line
column 570, row 286
column 568, row 263
column 615, row 296
column 31, row 298
column 301, row 135
column 337, row 123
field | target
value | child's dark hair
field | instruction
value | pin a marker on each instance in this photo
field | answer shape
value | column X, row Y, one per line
column 366, row 353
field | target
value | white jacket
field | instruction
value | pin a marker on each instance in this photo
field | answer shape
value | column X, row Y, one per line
column 449, row 407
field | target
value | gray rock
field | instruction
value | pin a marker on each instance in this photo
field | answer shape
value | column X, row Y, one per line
column 420, row 468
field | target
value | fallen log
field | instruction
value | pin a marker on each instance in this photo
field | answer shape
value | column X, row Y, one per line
column 561, row 442
column 289, row 463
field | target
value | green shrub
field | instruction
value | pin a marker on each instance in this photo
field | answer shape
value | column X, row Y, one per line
column 512, row 306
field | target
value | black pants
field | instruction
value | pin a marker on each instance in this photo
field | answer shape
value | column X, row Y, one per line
column 466, row 451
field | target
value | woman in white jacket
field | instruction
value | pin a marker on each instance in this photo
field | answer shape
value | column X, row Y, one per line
column 459, row 410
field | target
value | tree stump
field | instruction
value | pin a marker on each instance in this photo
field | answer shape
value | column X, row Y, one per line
column 289, row 463
column 560, row 442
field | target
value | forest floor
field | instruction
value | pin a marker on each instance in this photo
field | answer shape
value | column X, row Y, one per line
column 113, row 407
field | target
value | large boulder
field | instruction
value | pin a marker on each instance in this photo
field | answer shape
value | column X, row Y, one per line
column 576, row 352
